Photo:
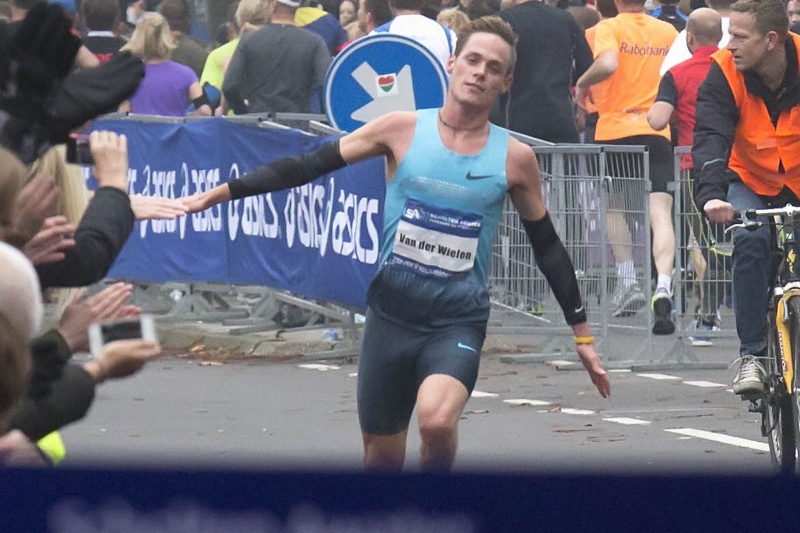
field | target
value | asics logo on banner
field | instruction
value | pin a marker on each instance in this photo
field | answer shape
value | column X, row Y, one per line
column 470, row 348
column 471, row 176
column 413, row 213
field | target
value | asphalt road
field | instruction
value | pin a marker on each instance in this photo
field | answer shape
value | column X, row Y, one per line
column 523, row 418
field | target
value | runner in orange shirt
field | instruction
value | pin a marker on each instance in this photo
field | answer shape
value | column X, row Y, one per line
column 629, row 50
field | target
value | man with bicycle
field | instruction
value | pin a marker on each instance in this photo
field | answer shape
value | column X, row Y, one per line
column 747, row 150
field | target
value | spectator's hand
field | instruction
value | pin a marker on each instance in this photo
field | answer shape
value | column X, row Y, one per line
column 49, row 245
column 17, row 450
column 110, row 153
column 80, row 313
column 37, row 201
column 582, row 96
column 122, row 358
column 591, row 362
column 580, row 119
column 719, row 211
column 156, row 207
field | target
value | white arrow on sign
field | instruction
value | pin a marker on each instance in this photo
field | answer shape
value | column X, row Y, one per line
column 402, row 101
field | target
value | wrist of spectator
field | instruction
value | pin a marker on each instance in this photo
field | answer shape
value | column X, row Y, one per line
column 115, row 179
column 97, row 369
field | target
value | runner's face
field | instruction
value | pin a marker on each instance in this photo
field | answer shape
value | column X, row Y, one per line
column 481, row 71
column 747, row 45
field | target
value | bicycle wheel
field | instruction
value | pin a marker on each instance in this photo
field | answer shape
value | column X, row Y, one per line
column 779, row 405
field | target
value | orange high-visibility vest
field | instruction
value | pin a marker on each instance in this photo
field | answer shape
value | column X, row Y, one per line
column 759, row 147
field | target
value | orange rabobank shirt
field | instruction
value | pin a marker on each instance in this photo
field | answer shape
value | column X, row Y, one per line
column 640, row 42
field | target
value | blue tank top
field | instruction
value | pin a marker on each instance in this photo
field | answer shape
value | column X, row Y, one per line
column 440, row 218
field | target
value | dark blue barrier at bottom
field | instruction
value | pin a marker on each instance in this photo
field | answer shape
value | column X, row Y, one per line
column 94, row 500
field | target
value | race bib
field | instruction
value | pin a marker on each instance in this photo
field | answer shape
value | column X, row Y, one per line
column 434, row 241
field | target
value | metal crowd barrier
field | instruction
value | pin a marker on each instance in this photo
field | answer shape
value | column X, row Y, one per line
column 702, row 283
column 597, row 198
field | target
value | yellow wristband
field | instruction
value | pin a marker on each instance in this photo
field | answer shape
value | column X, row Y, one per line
column 584, row 340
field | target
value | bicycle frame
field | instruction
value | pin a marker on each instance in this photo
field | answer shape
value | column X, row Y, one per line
column 784, row 285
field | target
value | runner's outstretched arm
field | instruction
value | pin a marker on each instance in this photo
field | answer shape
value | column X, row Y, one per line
column 371, row 140
column 552, row 258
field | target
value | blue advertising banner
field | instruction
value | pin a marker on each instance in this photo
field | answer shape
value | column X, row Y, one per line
column 247, row 500
column 320, row 240
column 378, row 74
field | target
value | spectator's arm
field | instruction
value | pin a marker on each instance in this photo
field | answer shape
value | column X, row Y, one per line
column 603, row 67
column 581, row 53
column 322, row 61
column 233, row 83
column 69, row 401
column 99, row 238
column 716, row 120
column 660, row 114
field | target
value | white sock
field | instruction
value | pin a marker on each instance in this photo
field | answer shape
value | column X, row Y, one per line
column 664, row 282
column 626, row 273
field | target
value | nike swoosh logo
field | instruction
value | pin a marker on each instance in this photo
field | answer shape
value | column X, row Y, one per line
column 470, row 348
column 578, row 310
column 471, row 176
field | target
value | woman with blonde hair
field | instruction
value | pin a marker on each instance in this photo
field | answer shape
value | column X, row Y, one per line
column 453, row 18
column 167, row 87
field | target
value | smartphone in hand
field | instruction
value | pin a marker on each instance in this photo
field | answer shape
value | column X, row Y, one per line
column 101, row 333
column 78, row 150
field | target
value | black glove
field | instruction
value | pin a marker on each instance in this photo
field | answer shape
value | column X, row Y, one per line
column 41, row 53
column 33, row 61
column 87, row 93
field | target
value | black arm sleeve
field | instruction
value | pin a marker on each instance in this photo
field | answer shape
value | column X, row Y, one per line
column 289, row 172
column 554, row 262
column 714, row 130
column 69, row 400
column 104, row 228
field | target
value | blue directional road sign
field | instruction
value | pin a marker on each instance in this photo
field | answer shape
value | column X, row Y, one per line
column 379, row 74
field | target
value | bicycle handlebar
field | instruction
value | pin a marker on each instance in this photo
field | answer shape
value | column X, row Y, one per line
column 747, row 216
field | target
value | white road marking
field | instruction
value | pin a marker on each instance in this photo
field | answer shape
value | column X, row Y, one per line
column 627, row 421
column 723, row 439
column 522, row 401
column 582, row 412
column 560, row 364
column 481, row 394
column 705, row 384
column 619, row 371
column 320, row 367
column 660, row 377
